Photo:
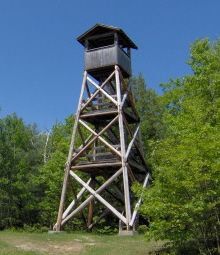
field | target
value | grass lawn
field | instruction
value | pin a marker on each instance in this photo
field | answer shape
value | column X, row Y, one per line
column 23, row 243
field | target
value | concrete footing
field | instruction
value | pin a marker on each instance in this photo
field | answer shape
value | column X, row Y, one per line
column 127, row 233
column 55, row 232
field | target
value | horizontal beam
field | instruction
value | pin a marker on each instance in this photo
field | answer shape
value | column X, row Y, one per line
column 91, row 165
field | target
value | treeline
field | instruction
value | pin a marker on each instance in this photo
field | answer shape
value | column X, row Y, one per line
column 181, row 138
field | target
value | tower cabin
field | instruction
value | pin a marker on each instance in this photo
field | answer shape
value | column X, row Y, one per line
column 105, row 47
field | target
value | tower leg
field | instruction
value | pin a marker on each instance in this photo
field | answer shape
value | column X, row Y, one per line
column 57, row 226
column 122, row 140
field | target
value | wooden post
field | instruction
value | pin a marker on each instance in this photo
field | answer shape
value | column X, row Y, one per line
column 123, row 150
column 68, row 164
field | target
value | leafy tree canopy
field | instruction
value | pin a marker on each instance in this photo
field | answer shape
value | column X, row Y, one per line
column 183, row 202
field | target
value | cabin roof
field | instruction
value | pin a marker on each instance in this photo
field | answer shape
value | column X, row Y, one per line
column 99, row 29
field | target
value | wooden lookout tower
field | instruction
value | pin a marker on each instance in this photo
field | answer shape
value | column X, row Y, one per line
column 109, row 156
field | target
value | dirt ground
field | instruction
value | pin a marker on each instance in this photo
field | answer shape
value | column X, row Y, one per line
column 23, row 243
column 49, row 245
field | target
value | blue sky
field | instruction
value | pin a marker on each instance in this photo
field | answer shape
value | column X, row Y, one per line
column 41, row 63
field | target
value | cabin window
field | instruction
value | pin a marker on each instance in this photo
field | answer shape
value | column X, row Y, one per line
column 100, row 42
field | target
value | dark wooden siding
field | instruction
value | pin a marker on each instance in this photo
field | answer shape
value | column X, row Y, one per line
column 106, row 57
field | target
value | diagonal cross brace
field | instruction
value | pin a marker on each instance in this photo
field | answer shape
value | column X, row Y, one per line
column 97, row 196
column 71, row 205
column 91, row 197
column 131, row 223
column 103, row 91
column 97, row 135
column 131, row 143
column 97, row 91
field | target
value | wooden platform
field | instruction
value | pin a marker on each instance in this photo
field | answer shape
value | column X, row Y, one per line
column 99, row 115
column 97, row 167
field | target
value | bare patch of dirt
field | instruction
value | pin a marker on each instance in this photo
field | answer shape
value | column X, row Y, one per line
column 67, row 247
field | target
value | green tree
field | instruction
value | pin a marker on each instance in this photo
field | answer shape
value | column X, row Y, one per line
column 183, row 202
column 149, row 107
column 20, row 158
column 50, row 178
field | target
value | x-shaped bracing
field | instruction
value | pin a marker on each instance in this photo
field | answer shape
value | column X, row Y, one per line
column 96, row 194
column 94, row 136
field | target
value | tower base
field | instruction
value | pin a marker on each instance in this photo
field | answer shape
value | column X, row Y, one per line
column 54, row 232
column 127, row 233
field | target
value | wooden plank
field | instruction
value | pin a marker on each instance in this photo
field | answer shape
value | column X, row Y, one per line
column 139, row 202
column 67, row 168
column 98, row 113
column 91, row 197
column 105, row 164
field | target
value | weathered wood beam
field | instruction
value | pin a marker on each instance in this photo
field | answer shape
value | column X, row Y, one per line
column 98, row 113
column 68, row 164
column 94, row 165
column 122, row 140
column 131, row 143
column 139, row 201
